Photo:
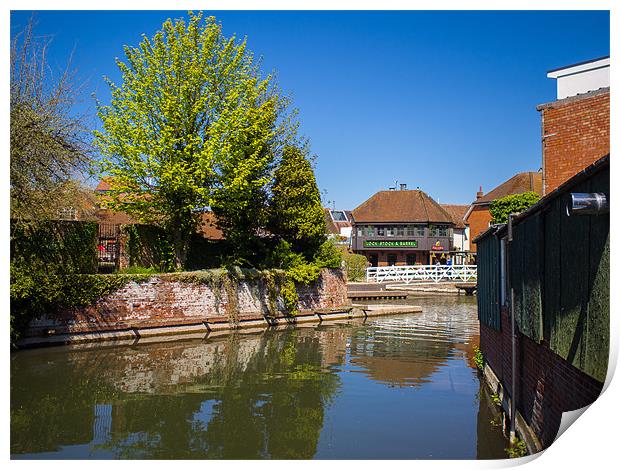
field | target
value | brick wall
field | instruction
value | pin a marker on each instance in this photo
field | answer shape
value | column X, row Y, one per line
column 168, row 302
column 547, row 385
column 578, row 135
column 478, row 220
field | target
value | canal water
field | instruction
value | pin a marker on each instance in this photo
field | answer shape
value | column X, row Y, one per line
column 393, row 387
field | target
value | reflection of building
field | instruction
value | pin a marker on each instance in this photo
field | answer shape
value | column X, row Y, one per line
column 478, row 216
column 401, row 227
column 575, row 127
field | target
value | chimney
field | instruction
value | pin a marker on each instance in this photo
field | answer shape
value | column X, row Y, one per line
column 403, row 186
column 479, row 194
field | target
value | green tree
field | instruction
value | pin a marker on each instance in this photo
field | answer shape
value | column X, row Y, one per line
column 296, row 212
column 241, row 192
column 192, row 125
column 49, row 146
column 501, row 208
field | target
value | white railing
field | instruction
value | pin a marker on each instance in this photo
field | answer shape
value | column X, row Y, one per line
column 407, row 274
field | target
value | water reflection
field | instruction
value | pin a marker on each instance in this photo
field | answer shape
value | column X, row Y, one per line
column 392, row 387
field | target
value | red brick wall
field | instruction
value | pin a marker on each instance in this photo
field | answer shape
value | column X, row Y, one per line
column 547, row 385
column 164, row 301
column 578, row 135
column 478, row 221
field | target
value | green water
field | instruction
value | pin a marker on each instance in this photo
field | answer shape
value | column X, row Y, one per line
column 394, row 387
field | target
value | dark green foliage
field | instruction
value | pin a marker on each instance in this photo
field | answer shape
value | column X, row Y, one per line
column 328, row 255
column 500, row 209
column 296, row 213
column 35, row 292
column 355, row 266
column 55, row 246
column 150, row 246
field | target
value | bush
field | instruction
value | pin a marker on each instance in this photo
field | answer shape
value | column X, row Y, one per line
column 328, row 255
column 55, row 246
column 501, row 208
column 36, row 292
column 355, row 266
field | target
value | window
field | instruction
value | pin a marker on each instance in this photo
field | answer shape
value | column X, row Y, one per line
column 400, row 230
column 419, row 230
column 370, row 230
column 410, row 230
column 438, row 230
column 391, row 259
column 389, row 230
column 381, row 231
column 339, row 216
column 410, row 259
column 360, row 230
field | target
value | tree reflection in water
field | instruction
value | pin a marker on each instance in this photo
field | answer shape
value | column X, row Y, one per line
column 392, row 387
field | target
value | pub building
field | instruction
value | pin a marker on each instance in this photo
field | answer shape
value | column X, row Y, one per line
column 402, row 228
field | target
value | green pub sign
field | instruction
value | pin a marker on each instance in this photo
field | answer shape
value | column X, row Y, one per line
column 390, row 243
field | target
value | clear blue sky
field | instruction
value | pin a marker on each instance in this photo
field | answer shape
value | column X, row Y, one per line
column 441, row 100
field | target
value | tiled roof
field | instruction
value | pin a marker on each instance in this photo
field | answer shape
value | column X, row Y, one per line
column 104, row 184
column 401, row 206
column 519, row 183
column 331, row 226
column 208, row 227
column 457, row 212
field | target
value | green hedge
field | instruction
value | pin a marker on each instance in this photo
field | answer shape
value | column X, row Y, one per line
column 55, row 246
column 355, row 266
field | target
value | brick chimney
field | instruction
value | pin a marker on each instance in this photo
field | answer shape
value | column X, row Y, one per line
column 479, row 194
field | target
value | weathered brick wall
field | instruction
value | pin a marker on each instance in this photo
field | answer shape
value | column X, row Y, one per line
column 478, row 220
column 165, row 302
column 577, row 134
column 547, row 385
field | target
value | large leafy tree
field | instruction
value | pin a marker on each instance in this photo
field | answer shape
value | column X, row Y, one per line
column 50, row 145
column 296, row 211
column 192, row 125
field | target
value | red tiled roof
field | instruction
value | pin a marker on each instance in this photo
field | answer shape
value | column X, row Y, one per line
column 519, row 183
column 401, row 206
column 457, row 212
column 104, row 184
column 208, row 228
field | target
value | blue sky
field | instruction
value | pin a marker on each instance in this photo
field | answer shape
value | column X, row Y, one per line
column 441, row 100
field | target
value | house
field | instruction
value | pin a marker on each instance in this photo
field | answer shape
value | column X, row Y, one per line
column 575, row 127
column 478, row 216
column 338, row 225
column 402, row 227
column 543, row 305
column 460, row 239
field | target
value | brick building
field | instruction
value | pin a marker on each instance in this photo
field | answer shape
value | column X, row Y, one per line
column 402, row 227
column 575, row 127
column 478, row 216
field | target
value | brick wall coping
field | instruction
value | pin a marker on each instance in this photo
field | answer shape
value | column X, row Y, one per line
column 572, row 99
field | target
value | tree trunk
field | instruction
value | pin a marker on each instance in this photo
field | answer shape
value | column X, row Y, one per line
column 181, row 243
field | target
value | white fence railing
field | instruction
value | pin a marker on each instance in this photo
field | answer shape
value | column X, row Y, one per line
column 409, row 274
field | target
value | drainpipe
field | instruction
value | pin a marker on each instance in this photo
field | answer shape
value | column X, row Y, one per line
column 513, row 384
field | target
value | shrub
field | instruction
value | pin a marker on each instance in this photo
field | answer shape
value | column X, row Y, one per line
column 501, row 208
column 328, row 255
column 355, row 266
